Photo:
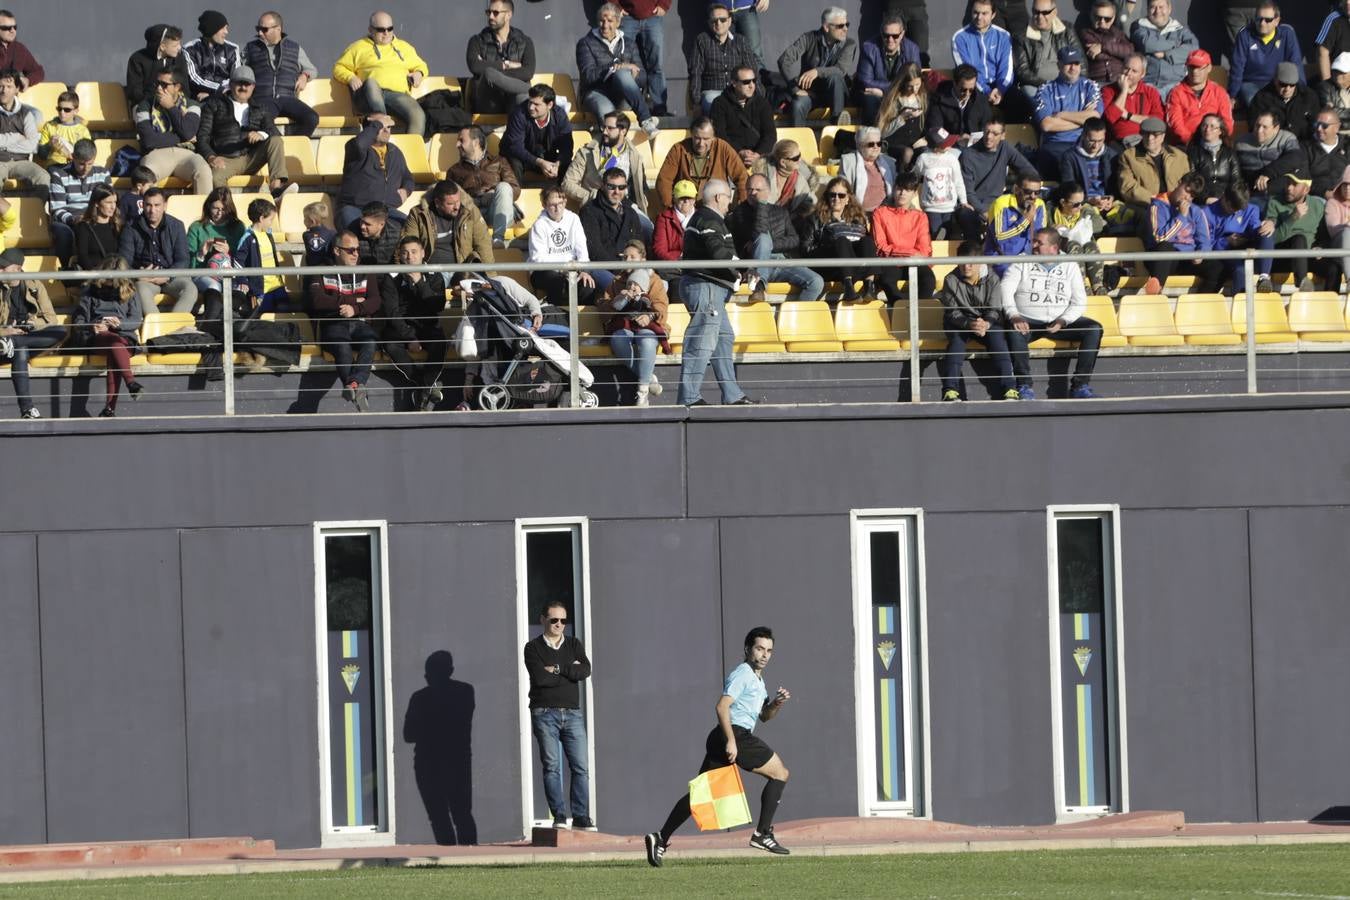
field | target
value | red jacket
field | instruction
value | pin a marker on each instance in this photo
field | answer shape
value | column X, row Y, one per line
column 643, row 9
column 668, row 236
column 901, row 232
column 1185, row 109
column 16, row 56
column 1144, row 102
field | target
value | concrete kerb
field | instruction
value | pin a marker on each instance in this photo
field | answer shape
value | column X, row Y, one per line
column 525, row 856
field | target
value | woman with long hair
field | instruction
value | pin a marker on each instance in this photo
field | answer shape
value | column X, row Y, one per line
column 1212, row 157
column 109, row 316
column 98, row 230
column 216, row 234
column 839, row 229
column 1079, row 223
column 904, row 108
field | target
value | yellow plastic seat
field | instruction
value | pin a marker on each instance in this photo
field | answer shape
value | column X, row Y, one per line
column 415, row 154
column 161, row 323
column 677, row 321
column 1125, row 245
column 291, row 217
column 32, row 228
column 1103, row 311
column 593, row 341
column 1021, row 133
column 806, row 326
column 825, row 145
column 1318, row 316
column 328, row 157
column 301, row 166
column 862, row 325
column 56, row 290
column 1205, row 320
column 186, row 208
column 43, row 98
column 1146, row 320
column 443, row 152
column 103, row 106
column 413, row 201
column 756, row 331
column 931, row 335
column 664, row 140
column 1272, row 325
column 332, row 100
column 806, row 140
column 531, row 203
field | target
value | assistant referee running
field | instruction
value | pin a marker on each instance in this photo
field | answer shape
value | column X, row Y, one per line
column 744, row 703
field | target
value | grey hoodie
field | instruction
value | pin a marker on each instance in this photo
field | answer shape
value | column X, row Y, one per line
column 963, row 303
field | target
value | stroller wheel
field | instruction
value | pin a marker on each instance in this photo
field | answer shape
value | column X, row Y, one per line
column 494, row 397
column 589, row 400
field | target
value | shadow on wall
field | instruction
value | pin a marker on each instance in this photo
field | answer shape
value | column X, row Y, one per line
column 439, row 725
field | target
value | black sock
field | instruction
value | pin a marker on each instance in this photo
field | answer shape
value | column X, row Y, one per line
column 678, row 816
column 768, row 804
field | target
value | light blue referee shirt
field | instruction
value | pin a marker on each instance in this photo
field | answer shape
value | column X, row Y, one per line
column 747, row 692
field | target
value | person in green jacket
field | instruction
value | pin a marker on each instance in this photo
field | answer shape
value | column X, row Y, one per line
column 1291, row 224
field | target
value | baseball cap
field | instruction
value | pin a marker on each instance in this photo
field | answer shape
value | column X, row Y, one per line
column 685, row 188
column 1286, row 73
column 1153, row 125
column 1341, row 63
column 941, row 137
column 1198, row 58
column 12, row 256
column 242, row 75
column 1070, row 55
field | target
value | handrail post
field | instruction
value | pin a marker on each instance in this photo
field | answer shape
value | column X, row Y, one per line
column 573, row 345
column 913, row 286
column 1249, row 270
column 227, row 341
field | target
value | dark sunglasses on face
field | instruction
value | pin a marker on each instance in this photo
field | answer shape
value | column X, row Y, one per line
column 1323, row 124
column 379, row 30
column 557, row 620
column 1073, row 204
column 892, row 35
column 796, row 158
column 1266, row 19
column 611, row 186
column 834, row 196
column 718, row 20
column 65, row 109
column 1042, row 12
column 872, row 143
column 745, row 81
column 9, row 27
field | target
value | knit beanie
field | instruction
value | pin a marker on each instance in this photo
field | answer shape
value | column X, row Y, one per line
column 209, row 22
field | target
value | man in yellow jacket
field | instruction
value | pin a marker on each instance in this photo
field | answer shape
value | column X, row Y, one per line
column 380, row 69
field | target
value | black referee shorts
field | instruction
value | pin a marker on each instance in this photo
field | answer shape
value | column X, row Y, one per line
column 751, row 752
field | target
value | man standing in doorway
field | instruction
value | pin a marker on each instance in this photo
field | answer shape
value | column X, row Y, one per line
column 557, row 664
column 744, row 702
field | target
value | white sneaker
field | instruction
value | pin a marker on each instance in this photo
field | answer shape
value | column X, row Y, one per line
column 642, row 392
column 651, row 125
column 654, row 387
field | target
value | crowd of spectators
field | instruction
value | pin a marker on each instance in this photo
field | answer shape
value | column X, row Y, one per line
column 1122, row 129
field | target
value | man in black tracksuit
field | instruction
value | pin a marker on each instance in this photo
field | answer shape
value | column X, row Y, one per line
column 557, row 665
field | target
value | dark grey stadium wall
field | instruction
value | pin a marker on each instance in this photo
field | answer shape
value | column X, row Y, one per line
column 23, row 814
column 95, row 46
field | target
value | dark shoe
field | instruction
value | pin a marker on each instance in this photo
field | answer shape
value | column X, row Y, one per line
column 134, row 388
column 766, row 841
column 559, row 821
column 744, row 401
column 699, row 402
column 108, row 413
column 656, row 849
column 586, row 823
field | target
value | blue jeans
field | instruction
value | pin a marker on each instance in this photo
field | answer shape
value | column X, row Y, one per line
column 809, row 284
column 708, row 338
column 371, row 98
column 621, row 87
column 1087, row 333
column 827, row 90
column 649, row 36
column 558, row 732
column 637, row 351
column 705, row 101
column 498, row 207
column 26, row 345
column 746, row 25
column 994, row 341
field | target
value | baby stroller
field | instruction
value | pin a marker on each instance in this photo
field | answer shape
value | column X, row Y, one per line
column 521, row 368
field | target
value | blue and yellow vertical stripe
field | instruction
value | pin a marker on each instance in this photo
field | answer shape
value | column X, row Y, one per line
column 885, row 620
column 1087, row 737
column 1081, row 627
column 352, row 739
column 890, row 756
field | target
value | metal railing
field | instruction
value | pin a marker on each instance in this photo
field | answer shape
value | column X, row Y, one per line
column 572, row 270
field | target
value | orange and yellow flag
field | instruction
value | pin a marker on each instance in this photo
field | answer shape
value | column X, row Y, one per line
column 717, row 799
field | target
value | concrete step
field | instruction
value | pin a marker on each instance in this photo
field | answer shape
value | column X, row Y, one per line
column 115, row 853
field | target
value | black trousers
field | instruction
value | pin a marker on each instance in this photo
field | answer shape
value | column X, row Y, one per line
column 1208, row 274
column 352, row 343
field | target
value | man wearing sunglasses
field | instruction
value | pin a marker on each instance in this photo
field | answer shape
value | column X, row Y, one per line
column 1036, row 50
column 380, row 70
column 744, row 119
column 882, row 58
column 1104, row 42
column 15, row 56
column 818, row 67
column 557, row 664
column 1294, row 102
column 283, row 69
column 501, row 61
column 1258, row 48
